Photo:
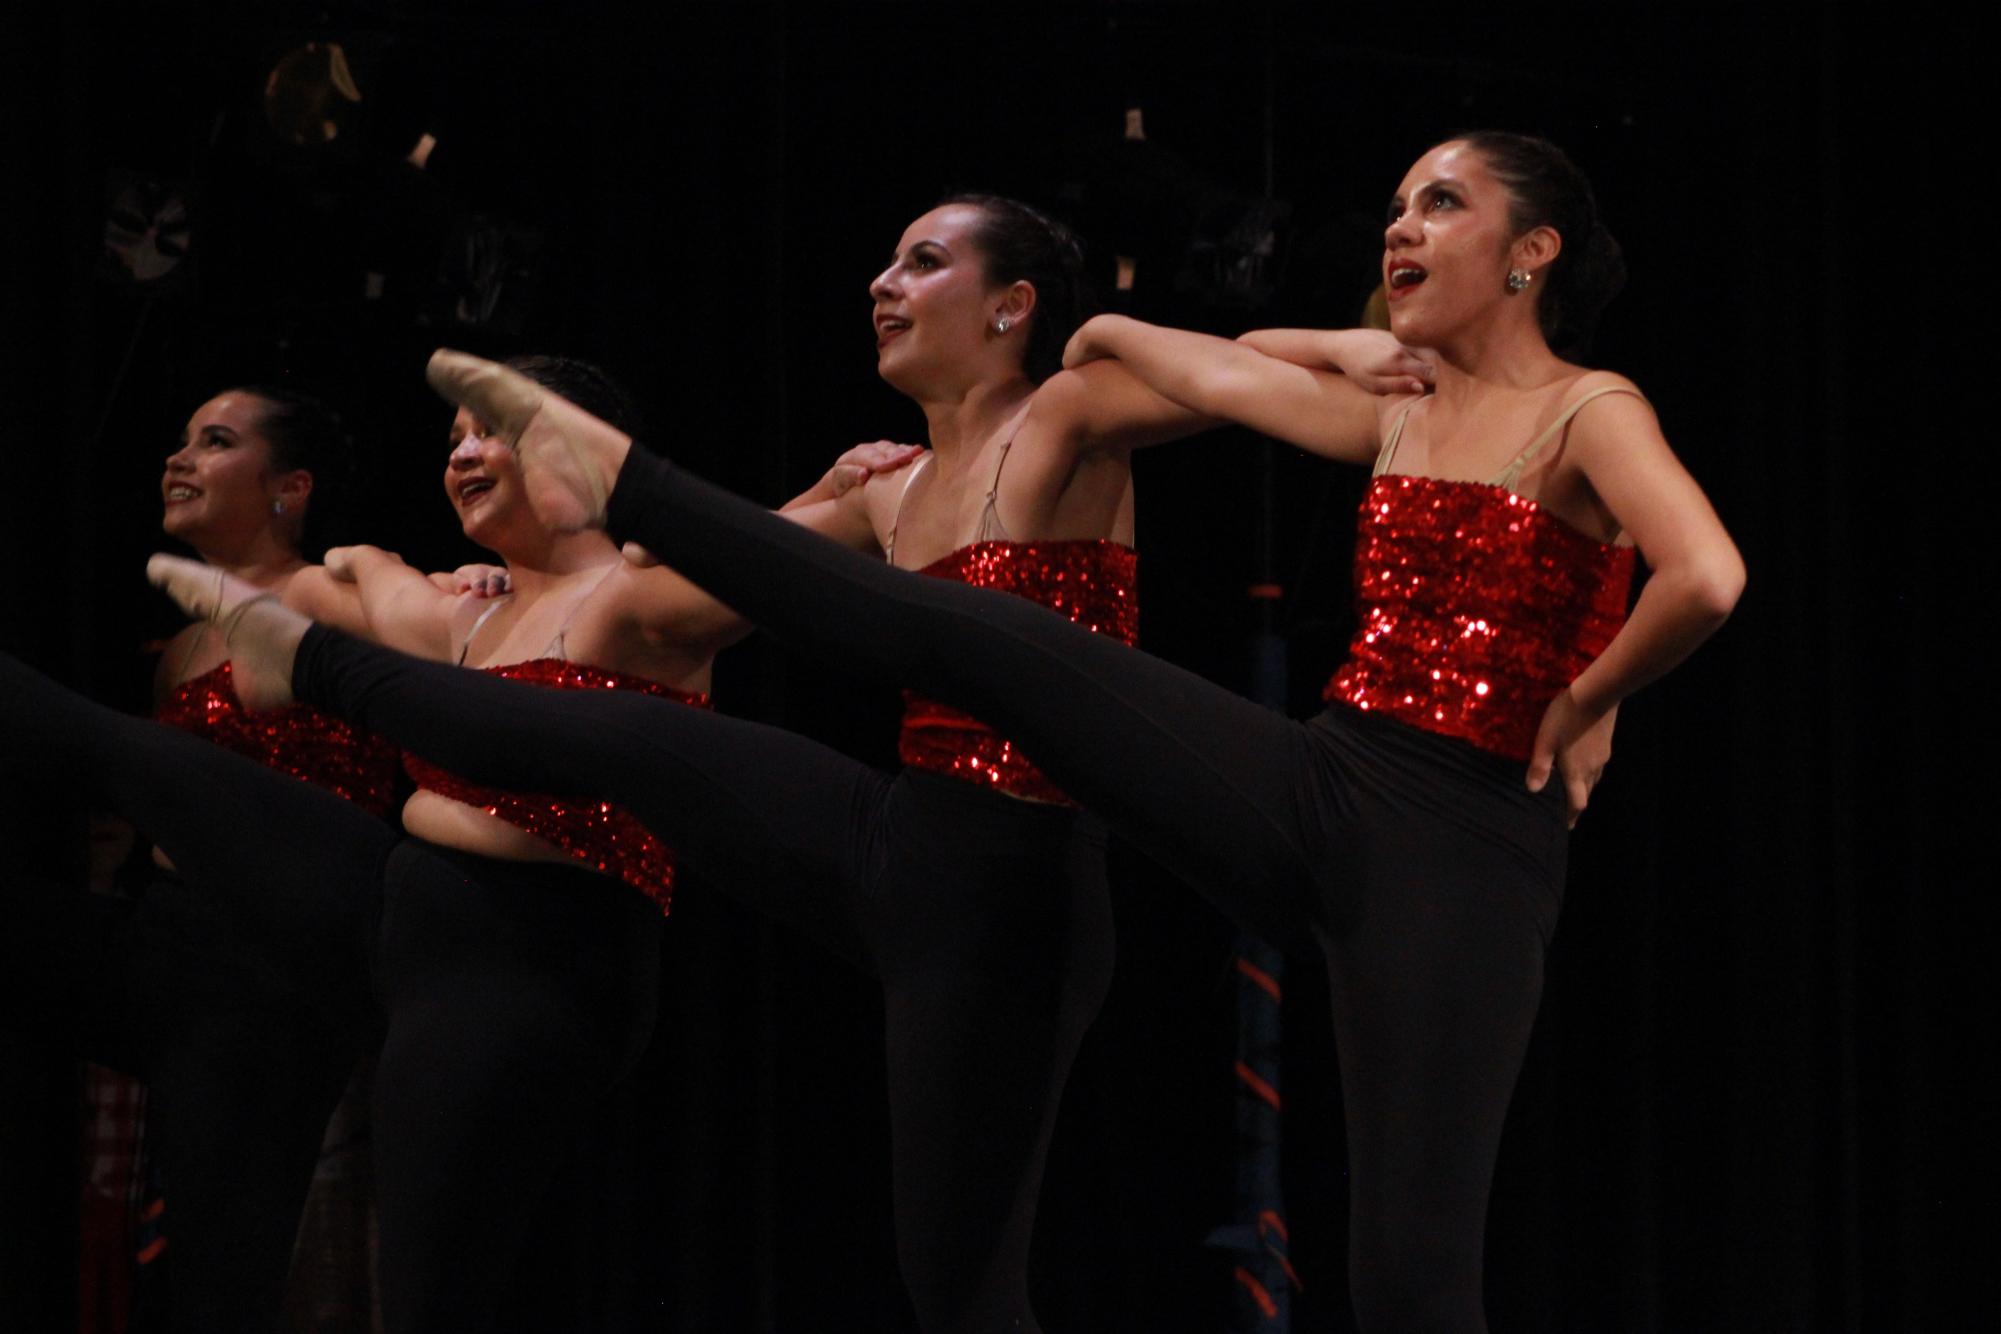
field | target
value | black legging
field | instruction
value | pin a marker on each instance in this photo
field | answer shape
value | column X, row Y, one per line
column 241, row 1078
column 985, row 918
column 1420, row 869
column 508, row 997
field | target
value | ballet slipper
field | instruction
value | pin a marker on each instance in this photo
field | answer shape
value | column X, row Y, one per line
column 569, row 459
column 261, row 633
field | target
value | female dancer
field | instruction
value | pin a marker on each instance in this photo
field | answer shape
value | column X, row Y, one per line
column 967, row 883
column 508, row 986
column 243, row 1069
column 1395, row 834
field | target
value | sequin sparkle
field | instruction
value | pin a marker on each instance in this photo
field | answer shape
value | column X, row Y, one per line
column 596, row 833
column 298, row 740
column 1477, row 608
column 1092, row 582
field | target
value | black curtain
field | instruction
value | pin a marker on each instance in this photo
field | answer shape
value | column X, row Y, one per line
column 1745, row 1104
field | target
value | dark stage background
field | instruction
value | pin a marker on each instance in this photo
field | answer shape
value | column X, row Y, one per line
column 1743, row 1104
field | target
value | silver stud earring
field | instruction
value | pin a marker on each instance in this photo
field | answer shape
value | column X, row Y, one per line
column 1002, row 325
column 1517, row 279
column 277, row 507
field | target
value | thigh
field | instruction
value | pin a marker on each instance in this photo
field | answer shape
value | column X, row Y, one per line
column 510, row 1012
column 1435, row 948
column 773, row 819
column 993, row 936
column 1195, row 775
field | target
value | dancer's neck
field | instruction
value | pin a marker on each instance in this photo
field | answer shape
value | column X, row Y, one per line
column 1494, row 359
column 962, row 425
column 262, row 560
column 556, row 564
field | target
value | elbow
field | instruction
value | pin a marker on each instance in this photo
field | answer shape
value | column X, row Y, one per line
column 1716, row 586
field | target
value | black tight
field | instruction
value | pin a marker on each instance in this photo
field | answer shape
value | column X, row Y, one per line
column 241, row 1081
column 507, row 998
column 1421, row 870
column 986, row 919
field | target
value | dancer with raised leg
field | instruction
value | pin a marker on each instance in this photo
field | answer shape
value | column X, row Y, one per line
column 967, row 882
column 505, row 971
column 1409, row 834
column 243, row 1067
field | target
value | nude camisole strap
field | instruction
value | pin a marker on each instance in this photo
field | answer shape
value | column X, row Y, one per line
column 1512, row 474
column 896, row 520
column 555, row 648
column 1509, row 476
column 1389, row 449
column 484, row 617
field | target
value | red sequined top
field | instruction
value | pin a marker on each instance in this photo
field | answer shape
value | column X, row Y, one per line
column 595, row 832
column 1093, row 582
column 1477, row 606
column 298, row 740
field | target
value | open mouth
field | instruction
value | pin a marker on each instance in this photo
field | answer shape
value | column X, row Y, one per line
column 474, row 489
column 179, row 492
column 1405, row 275
column 888, row 327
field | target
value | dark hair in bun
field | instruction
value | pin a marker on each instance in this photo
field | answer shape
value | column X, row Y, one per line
column 583, row 384
column 304, row 434
column 1548, row 190
column 1024, row 244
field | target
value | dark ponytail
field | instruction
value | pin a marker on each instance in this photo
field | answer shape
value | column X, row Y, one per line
column 1548, row 190
column 1024, row 244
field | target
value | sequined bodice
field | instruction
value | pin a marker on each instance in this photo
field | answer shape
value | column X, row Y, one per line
column 1093, row 582
column 298, row 740
column 1477, row 607
column 595, row 832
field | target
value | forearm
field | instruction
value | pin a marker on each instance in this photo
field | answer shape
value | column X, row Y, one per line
column 1679, row 608
column 314, row 593
column 1199, row 373
column 1301, row 347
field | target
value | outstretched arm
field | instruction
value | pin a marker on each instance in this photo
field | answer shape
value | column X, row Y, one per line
column 398, row 606
column 1217, row 378
column 1697, row 576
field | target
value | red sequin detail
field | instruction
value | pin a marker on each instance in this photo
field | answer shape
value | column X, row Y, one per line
column 595, row 832
column 297, row 740
column 1093, row 582
column 1477, row 608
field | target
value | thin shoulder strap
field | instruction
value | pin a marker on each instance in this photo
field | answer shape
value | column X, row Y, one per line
column 1389, row 449
column 1512, row 474
column 991, row 528
column 556, row 648
column 896, row 519
column 484, row 616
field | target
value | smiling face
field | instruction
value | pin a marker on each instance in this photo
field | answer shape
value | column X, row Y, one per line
column 1449, row 246
column 483, row 482
column 219, row 490
column 935, row 310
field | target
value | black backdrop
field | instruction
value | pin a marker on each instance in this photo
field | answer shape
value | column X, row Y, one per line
column 1744, row 1102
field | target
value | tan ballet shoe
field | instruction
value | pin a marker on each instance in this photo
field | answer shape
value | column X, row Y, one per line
column 569, row 459
column 261, row 633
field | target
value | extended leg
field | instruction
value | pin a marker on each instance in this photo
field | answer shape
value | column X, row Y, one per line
column 1195, row 775
column 294, row 862
column 778, row 821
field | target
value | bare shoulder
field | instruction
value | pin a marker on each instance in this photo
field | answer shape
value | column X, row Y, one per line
column 1602, row 386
